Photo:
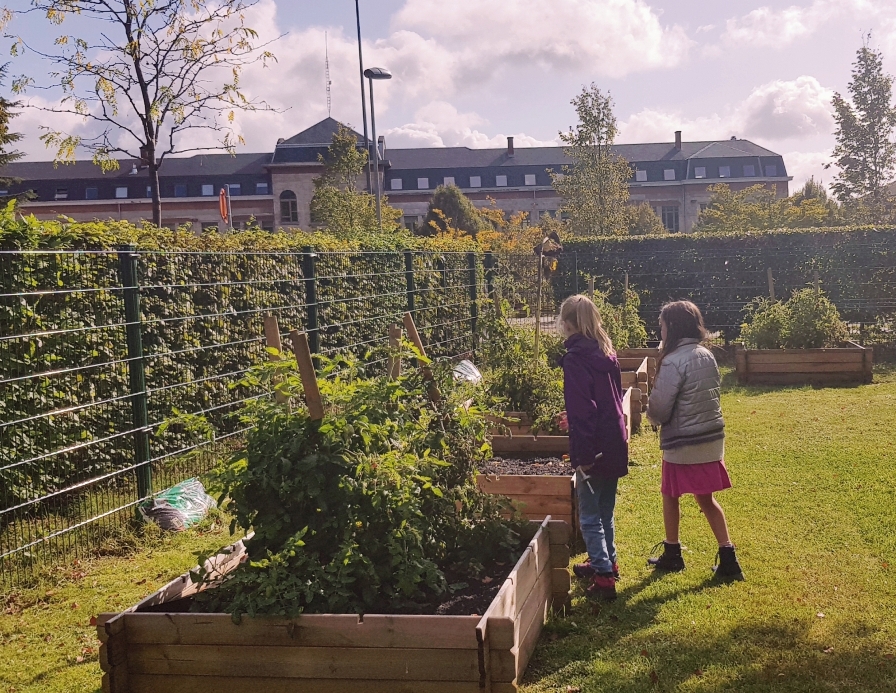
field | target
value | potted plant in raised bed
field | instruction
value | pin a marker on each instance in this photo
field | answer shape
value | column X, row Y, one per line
column 375, row 564
column 802, row 340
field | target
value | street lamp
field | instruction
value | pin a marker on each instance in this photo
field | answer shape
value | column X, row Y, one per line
column 371, row 74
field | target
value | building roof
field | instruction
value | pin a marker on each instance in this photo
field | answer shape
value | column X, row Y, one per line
column 319, row 134
column 199, row 165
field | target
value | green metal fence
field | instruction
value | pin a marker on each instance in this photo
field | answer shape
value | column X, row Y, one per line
column 97, row 349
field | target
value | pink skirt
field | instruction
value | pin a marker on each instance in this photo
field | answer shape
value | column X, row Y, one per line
column 679, row 479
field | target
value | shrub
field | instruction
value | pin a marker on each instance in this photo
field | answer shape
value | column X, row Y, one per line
column 373, row 508
column 808, row 320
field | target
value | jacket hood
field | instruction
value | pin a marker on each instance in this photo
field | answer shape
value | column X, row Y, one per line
column 589, row 349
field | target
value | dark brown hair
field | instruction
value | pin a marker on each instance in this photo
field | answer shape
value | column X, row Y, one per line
column 683, row 320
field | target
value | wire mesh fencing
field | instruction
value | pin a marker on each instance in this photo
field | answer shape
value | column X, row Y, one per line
column 122, row 372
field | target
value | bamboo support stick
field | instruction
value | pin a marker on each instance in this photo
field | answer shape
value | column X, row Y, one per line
column 272, row 339
column 414, row 336
column 306, row 372
column 394, row 345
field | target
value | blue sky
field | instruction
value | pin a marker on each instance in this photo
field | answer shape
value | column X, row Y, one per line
column 471, row 72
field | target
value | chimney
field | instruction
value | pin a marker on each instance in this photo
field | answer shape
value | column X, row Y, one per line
column 509, row 146
column 678, row 140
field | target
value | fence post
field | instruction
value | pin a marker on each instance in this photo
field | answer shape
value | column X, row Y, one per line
column 473, row 275
column 817, row 282
column 127, row 264
column 575, row 275
column 410, row 286
column 309, row 270
column 771, row 284
column 591, row 288
column 489, row 263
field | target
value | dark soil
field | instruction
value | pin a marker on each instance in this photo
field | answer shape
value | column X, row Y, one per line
column 476, row 596
column 539, row 466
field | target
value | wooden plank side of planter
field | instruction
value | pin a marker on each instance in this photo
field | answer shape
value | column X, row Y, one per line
column 148, row 683
column 808, row 366
column 308, row 630
column 532, row 618
column 533, row 505
column 544, row 445
column 805, row 356
column 804, row 378
column 524, row 484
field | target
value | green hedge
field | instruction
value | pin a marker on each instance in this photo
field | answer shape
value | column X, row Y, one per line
column 721, row 274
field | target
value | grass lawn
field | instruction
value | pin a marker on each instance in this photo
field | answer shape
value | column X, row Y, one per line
column 46, row 641
column 813, row 512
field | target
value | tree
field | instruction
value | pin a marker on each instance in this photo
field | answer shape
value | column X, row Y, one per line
column 810, row 206
column 643, row 221
column 450, row 208
column 338, row 204
column 752, row 208
column 159, row 73
column 595, row 187
column 7, row 138
column 865, row 151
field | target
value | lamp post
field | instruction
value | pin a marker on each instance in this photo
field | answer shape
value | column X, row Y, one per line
column 363, row 95
column 371, row 74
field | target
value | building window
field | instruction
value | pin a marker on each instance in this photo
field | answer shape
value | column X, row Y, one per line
column 395, row 183
column 641, row 176
column 670, row 219
column 289, row 207
column 267, row 226
column 771, row 171
column 669, row 174
column 703, row 207
column 749, row 171
column 209, row 226
column 422, row 183
column 410, row 223
column 234, row 189
column 208, row 190
column 261, row 188
column 475, row 181
column 501, row 181
column 179, row 190
column 91, row 194
column 121, row 193
column 61, row 193
column 530, row 179
column 700, row 172
column 149, row 191
column 449, row 180
column 724, row 172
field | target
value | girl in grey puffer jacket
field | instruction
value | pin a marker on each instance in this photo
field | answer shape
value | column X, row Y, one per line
column 685, row 404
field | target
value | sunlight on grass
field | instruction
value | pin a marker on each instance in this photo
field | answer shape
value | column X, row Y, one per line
column 813, row 512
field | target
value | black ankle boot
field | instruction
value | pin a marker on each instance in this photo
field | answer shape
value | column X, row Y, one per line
column 727, row 568
column 670, row 560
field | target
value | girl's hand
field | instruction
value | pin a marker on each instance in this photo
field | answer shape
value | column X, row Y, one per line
column 562, row 421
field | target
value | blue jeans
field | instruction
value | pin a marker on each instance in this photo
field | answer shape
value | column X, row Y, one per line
column 596, row 505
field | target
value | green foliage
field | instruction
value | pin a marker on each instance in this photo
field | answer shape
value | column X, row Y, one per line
column 367, row 510
column 451, row 209
column 808, row 320
column 337, row 204
column 7, row 139
column 622, row 322
column 643, row 221
column 865, row 153
column 595, row 187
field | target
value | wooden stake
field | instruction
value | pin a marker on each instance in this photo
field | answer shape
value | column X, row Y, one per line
column 272, row 339
column 306, row 373
column 817, row 282
column 771, row 284
column 414, row 336
column 591, row 288
column 394, row 345
column 626, row 283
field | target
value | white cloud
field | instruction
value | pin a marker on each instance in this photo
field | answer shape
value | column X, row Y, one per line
column 439, row 124
column 779, row 110
column 803, row 165
column 603, row 37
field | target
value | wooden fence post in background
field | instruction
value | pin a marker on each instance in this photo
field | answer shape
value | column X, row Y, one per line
column 394, row 346
column 591, row 288
column 771, row 284
column 306, row 373
column 817, row 282
column 414, row 336
column 272, row 339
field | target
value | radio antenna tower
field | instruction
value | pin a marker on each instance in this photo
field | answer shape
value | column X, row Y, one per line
column 327, row 67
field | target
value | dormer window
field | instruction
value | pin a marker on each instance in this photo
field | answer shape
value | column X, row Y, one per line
column 724, row 172
column 61, row 193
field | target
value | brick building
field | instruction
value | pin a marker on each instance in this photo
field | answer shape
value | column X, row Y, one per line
column 275, row 188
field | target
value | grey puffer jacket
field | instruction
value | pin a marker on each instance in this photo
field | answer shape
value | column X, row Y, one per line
column 685, row 401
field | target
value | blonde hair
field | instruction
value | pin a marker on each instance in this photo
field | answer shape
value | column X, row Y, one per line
column 579, row 315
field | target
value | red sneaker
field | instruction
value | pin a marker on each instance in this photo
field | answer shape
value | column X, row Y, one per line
column 586, row 572
column 603, row 586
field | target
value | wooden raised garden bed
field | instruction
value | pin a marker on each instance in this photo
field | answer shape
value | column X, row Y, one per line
column 156, row 646
column 851, row 363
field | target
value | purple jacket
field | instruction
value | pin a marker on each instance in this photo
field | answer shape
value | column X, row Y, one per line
column 592, row 388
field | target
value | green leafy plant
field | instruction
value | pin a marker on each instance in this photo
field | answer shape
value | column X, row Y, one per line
column 374, row 508
column 808, row 320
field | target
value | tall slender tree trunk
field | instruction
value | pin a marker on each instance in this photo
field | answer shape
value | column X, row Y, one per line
column 154, row 186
